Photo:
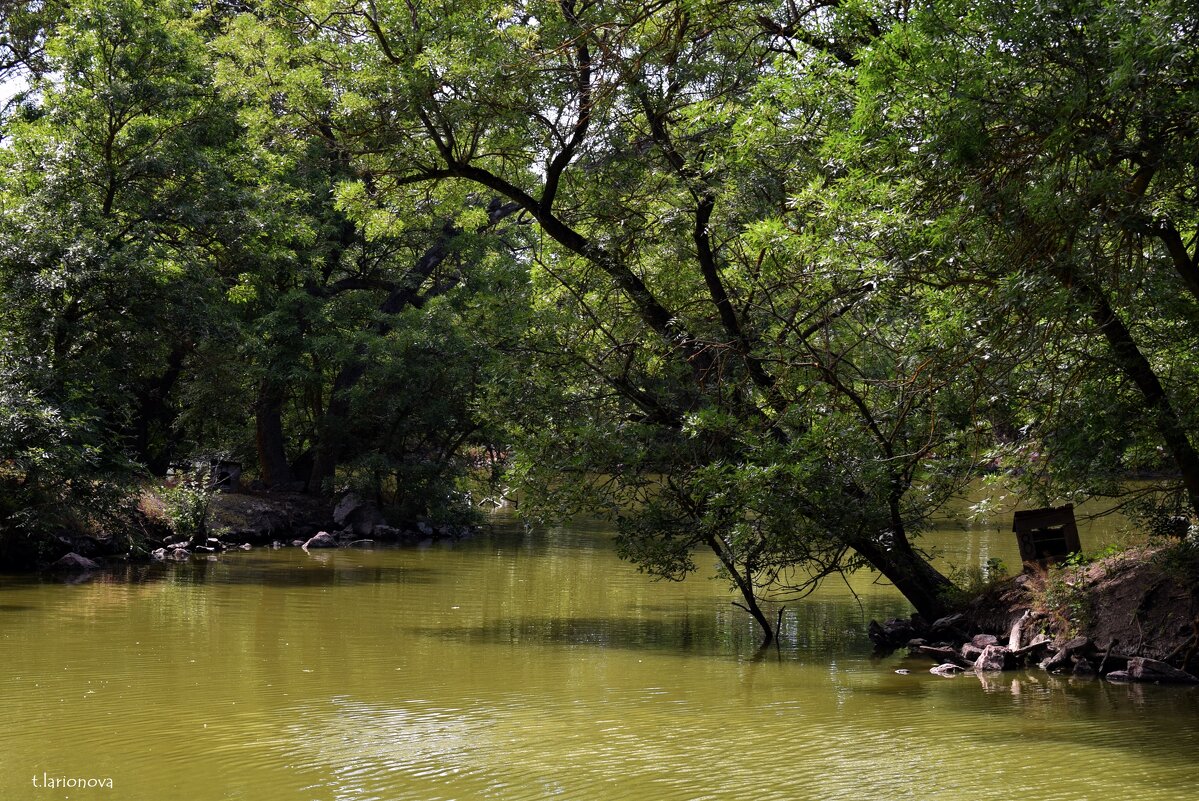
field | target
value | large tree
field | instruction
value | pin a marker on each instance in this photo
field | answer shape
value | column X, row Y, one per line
column 1052, row 149
column 709, row 361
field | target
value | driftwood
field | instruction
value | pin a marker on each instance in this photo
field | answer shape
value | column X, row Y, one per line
column 1017, row 632
column 946, row 655
column 1063, row 658
column 1033, row 653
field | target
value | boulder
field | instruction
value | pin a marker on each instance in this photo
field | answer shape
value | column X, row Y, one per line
column 322, row 539
column 159, row 554
column 74, row 561
column 971, row 652
column 387, row 534
column 1142, row 668
column 361, row 516
column 891, row 633
column 981, row 641
column 993, row 657
column 178, row 554
column 949, row 626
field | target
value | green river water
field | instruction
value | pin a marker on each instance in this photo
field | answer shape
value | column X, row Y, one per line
column 530, row 665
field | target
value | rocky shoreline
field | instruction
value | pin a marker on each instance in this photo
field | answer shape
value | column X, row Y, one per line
column 1132, row 617
column 247, row 520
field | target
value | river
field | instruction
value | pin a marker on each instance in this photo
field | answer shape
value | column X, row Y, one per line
column 531, row 664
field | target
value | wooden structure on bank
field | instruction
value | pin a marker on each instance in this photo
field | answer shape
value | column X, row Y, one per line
column 1046, row 535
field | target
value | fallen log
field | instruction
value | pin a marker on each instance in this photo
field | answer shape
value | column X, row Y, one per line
column 946, row 655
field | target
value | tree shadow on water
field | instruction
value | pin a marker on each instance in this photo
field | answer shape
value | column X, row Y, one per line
column 312, row 573
column 689, row 635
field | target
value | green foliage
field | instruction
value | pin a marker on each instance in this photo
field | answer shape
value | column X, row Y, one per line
column 754, row 282
column 187, row 502
column 973, row 581
column 54, row 476
column 1065, row 598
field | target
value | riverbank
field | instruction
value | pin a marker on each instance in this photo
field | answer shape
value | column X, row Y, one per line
column 239, row 520
column 1129, row 616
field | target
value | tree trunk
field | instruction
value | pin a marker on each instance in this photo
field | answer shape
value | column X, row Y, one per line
column 268, row 420
column 922, row 584
column 1138, row 370
column 327, row 452
column 152, row 437
column 746, row 586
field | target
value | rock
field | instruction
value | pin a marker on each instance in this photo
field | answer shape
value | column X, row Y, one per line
column 245, row 546
column 74, row 561
column 424, row 528
column 345, row 507
column 1118, row 676
column 981, row 641
column 1142, row 668
column 971, row 652
column 903, row 671
column 948, row 669
column 298, row 543
column 891, row 633
column 159, row 554
column 322, row 539
column 358, row 515
column 949, row 625
column 179, row 554
column 994, row 657
column 1083, row 668
column 387, row 534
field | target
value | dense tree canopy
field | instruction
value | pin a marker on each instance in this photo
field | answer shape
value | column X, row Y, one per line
column 766, row 282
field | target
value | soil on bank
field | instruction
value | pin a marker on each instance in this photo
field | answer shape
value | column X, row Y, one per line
column 1139, row 603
